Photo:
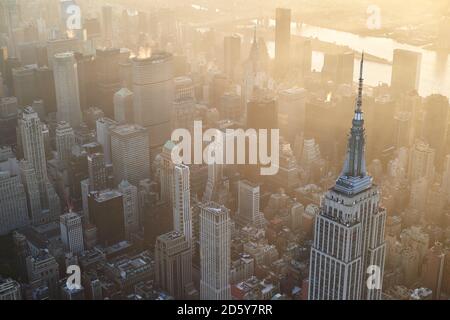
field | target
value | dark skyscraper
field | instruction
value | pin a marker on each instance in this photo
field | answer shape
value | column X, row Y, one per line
column 405, row 71
column 106, row 213
column 282, row 41
column 436, row 125
column 232, row 54
column 108, row 79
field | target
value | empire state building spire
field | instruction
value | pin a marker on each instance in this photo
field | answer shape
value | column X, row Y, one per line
column 354, row 178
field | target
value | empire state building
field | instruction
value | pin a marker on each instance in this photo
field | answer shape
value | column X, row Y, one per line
column 348, row 252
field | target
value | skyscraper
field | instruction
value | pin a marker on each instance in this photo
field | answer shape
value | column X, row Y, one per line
column 65, row 140
column 173, row 267
column 10, row 289
column 421, row 162
column 248, row 204
column 104, row 127
column 13, row 208
column 30, row 182
column 181, row 201
column 215, row 260
column 72, row 232
column 166, row 172
column 292, row 113
column 173, row 250
column 106, row 212
column 435, row 131
column 31, row 133
column 107, row 13
column 8, row 121
column 232, row 54
column 153, row 94
column 349, row 230
column 130, row 156
column 97, row 171
column 123, row 106
column 282, row 40
column 130, row 208
column 108, row 78
column 25, row 85
column 66, row 86
column 405, row 71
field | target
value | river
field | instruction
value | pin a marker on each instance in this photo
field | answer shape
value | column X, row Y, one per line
column 435, row 68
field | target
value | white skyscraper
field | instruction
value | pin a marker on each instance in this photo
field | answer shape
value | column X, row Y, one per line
column 130, row 207
column 123, row 106
column 182, row 221
column 349, row 230
column 72, row 232
column 215, row 242
column 173, row 250
column 33, row 143
column 166, row 172
column 130, row 156
column 13, row 203
column 104, row 127
column 32, row 137
column 65, row 139
column 67, row 91
column 248, row 204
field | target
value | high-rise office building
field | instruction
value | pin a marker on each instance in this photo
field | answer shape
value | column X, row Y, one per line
column 153, row 94
column 46, row 88
column 232, row 54
column 108, row 78
column 106, row 213
column 104, row 127
column 184, row 105
column 174, row 249
column 87, row 79
column 215, row 260
column 43, row 268
column 248, row 204
column 405, row 71
column 339, row 67
column 10, row 289
column 181, row 201
column 66, row 86
column 32, row 137
column 282, row 40
column 166, row 172
column 13, row 208
column 435, row 130
column 292, row 113
column 123, row 106
column 65, row 140
column 130, row 156
column 349, row 230
column 30, row 182
column 8, row 120
column 98, row 176
column 130, row 208
column 433, row 269
column 173, row 265
column 107, row 23
column 421, row 162
column 231, row 106
column 25, row 84
column 72, row 232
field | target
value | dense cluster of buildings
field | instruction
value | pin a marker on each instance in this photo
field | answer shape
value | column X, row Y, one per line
column 87, row 177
